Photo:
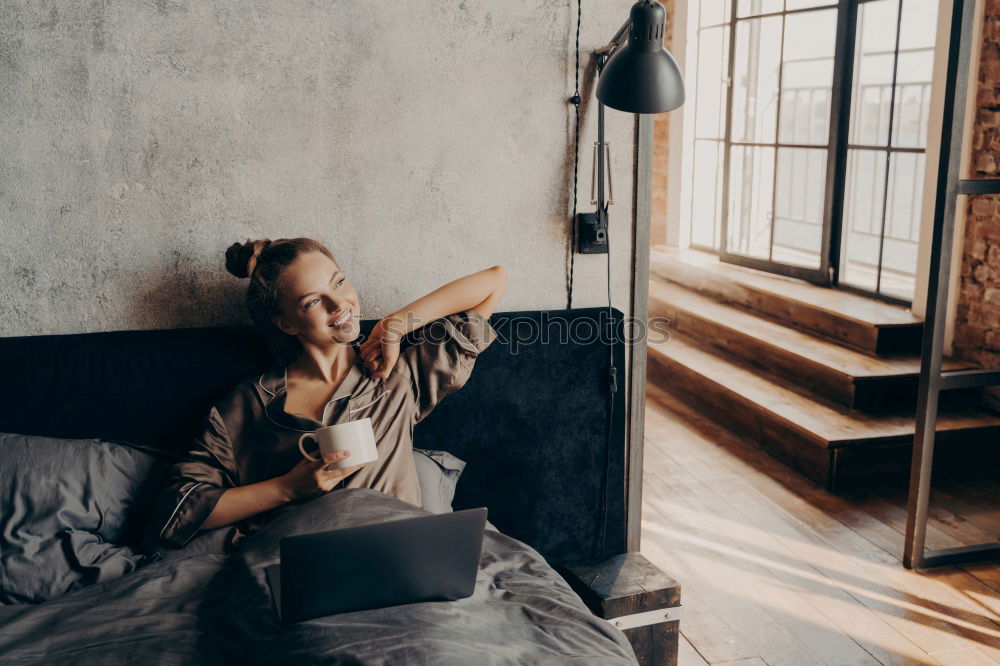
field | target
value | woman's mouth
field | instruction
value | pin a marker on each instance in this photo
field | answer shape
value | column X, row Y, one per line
column 343, row 319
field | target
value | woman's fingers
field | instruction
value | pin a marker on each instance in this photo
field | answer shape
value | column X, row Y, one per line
column 388, row 360
column 332, row 458
column 373, row 363
column 367, row 350
column 337, row 473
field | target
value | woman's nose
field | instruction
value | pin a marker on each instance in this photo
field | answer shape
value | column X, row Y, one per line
column 337, row 305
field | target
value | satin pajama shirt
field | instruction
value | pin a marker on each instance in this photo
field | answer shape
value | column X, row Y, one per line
column 248, row 436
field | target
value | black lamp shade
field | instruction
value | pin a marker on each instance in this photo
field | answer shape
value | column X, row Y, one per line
column 642, row 76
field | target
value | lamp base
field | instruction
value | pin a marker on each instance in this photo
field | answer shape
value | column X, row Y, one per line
column 591, row 234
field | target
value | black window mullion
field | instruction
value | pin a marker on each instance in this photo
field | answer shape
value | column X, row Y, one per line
column 787, row 12
column 694, row 157
column 840, row 106
column 728, row 138
column 777, row 139
column 888, row 150
column 779, row 144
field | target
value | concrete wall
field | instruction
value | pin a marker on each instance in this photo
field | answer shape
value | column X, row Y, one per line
column 420, row 140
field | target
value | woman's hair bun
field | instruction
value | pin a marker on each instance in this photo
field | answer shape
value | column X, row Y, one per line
column 241, row 258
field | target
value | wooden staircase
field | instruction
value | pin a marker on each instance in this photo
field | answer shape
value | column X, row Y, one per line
column 825, row 380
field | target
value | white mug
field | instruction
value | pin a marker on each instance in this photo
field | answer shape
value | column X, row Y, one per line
column 358, row 437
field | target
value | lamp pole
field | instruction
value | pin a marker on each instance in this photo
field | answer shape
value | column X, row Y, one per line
column 602, row 206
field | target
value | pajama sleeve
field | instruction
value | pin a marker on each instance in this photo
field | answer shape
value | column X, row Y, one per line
column 193, row 487
column 441, row 358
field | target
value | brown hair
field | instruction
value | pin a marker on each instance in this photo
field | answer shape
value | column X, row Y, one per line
column 265, row 261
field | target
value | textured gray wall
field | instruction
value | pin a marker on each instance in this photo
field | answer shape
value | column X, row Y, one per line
column 420, row 140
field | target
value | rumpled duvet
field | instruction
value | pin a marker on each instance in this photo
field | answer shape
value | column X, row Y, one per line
column 202, row 605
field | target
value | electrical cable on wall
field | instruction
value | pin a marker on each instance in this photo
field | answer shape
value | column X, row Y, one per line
column 575, row 100
column 612, row 389
column 612, row 372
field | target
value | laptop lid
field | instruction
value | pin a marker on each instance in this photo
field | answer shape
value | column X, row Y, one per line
column 427, row 558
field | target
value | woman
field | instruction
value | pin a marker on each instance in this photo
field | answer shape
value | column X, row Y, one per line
column 246, row 463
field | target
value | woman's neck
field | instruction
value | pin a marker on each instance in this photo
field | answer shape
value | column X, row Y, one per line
column 326, row 365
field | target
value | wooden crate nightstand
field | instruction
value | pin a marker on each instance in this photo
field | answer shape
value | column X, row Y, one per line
column 631, row 593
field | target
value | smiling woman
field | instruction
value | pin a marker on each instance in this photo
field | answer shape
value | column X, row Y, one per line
column 246, row 465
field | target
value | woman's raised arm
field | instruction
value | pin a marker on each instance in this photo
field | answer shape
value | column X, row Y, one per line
column 479, row 291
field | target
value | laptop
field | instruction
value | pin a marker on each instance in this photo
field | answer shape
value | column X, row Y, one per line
column 428, row 558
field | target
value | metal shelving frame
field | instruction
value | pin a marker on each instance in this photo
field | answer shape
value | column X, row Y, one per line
column 950, row 185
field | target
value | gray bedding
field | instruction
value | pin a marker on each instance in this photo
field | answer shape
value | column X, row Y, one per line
column 201, row 606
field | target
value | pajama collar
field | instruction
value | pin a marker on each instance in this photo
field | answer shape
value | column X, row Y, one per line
column 355, row 392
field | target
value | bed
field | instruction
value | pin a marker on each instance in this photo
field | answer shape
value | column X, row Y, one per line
column 529, row 426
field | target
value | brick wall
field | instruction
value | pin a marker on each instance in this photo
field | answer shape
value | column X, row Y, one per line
column 977, row 325
column 661, row 137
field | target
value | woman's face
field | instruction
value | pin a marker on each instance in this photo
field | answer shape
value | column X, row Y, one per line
column 318, row 304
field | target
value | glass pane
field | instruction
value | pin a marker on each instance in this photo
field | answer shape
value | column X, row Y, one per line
column 902, row 223
column 805, row 4
column 918, row 25
column 906, row 191
column 755, row 7
column 873, row 65
column 862, row 228
column 706, row 194
column 755, row 95
column 713, row 62
column 800, row 193
column 751, row 174
column 713, row 12
column 913, row 73
column 807, row 77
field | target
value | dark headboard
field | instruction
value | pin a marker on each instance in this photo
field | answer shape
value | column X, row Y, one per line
column 530, row 423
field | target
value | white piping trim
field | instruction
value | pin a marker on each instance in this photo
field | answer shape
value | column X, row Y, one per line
column 176, row 508
column 383, row 394
column 284, row 384
column 261, row 385
column 282, row 425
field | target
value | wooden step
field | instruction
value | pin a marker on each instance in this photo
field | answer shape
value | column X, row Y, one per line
column 817, row 436
column 842, row 374
column 862, row 323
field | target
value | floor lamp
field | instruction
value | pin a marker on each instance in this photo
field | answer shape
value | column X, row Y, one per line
column 638, row 77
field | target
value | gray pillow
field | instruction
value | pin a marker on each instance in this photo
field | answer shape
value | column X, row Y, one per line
column 71, row 507
column 438, row 473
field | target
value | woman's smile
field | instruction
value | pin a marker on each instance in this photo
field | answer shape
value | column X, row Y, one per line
column 341, row 325
column 339, row 321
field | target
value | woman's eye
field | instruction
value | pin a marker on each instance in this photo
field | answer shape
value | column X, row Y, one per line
column 341, row 281
column 309, row 304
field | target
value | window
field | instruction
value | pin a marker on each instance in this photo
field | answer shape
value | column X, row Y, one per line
column 890, row 102
column 710, row 46
column 775, row 182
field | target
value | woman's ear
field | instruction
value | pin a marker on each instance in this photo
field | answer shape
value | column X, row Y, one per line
column 284, row 326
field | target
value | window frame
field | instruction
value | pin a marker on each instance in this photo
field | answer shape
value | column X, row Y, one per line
column 837, row 145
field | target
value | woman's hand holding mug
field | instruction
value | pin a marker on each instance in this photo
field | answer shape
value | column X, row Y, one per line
column 312, row 478
column 318, row 474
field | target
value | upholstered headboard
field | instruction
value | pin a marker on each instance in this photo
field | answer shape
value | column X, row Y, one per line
column 531, row 422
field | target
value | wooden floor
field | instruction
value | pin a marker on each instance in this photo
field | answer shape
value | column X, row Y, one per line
column 776, row 570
